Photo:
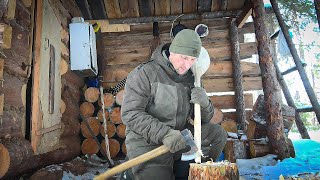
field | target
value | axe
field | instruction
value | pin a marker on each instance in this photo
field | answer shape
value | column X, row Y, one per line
column 187, row 135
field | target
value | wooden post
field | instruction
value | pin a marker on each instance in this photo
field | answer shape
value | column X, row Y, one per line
column 297, row 61
column 317, row 7
column 271, row 88
column 237, row 75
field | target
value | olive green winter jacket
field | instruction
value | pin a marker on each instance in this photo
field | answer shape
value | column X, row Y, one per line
column 156, row 99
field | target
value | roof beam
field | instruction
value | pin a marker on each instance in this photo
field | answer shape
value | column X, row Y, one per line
column 242, row 18
column 170, row 18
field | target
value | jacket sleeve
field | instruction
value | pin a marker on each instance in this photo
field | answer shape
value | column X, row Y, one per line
column 133, row 109
column 207, row 113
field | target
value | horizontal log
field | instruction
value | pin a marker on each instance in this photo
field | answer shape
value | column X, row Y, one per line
column 170, row 18
column 226, row 84
column 94, row 124
column 92, row 94
column 229, row 101
column 89, row 146
column 121, row 130
column 114, row 73
column 12, row 121
column 230, row 125
column 115, row 115
column 87, row 109
column 114, row 147
column 140, row 54
column 111, row 129
column 100, row 115
column 109, row 100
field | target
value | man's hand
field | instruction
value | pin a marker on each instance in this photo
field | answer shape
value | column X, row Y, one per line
column 174, row 141
column 199, row 96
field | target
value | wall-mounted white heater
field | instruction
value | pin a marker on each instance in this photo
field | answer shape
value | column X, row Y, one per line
column 83, row 53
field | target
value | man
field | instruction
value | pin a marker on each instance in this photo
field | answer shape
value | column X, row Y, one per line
column 158, row 103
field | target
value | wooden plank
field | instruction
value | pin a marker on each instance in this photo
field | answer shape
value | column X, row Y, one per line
column 106, row 27
column 146, row 8
column 97, row 9
column 229, row 101
column 60, row 12
column 215, row 5
column 5, row 40
column 114, row 73
column 113, row 9
column 27, row 3
column 129, row 8
column 189, row 6
column 72, row 7
column 242, row 18
column 226, row 84
column 1, row 104
column 10, row 14
column 176, row 7
column 204, row 6
column 161, row 7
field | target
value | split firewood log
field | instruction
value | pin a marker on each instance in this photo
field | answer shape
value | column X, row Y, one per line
column 87, row 109
column 89, row 146
column 121, row 130
column 115, row 115
column 100, row 113
column 214, row 170
column 92, row 94
column 114, row 147
column 111, row 129
column 119, row 97
column 94, row 124
column 109, row 100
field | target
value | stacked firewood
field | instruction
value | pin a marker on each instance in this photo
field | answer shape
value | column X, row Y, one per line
column 92, row 111
column 255, row 142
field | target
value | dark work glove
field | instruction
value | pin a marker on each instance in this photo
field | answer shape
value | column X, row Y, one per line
column 199, row 96
column 174, row 140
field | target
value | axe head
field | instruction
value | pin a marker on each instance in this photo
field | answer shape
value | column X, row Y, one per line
column 187, row 156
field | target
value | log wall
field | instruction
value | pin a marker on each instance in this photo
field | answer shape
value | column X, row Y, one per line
column 123, row 51
column 16, row 74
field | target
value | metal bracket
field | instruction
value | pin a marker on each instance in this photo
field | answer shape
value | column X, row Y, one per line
column 49, row 129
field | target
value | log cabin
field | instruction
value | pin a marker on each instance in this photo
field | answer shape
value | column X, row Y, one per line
column 41, row 111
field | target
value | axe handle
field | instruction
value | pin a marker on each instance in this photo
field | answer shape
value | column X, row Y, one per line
column 133, row 162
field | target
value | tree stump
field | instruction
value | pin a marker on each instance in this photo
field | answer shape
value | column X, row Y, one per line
column 87, row 109
column 115, row 115
column 119, row 97
column 111, row 129
column 235, row 149
column 114, row 147
column 100, row 113
column 94, row 124
column 109, row 100
column 121, row 130
column 92, row 94
column 214, row 170
column 89, row 146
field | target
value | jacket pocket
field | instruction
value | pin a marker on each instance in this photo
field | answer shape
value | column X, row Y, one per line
column 165, row 104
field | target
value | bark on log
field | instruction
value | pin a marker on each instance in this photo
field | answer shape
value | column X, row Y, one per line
column 94, row 124
column 115, row 115
column 219, row 170
column 297, row 60
column 114, row 147
column 235, row 149
column 237, row 76
column 121, row 130
column 258, row 150
column 217, row 117
column 87, row 109
column 271, row 87
column 109, row 100
column 92, row 94
column 111, row 129
column 119, row 97
column 230, row 126
column 89, row 146
column 70, row 126
column 12, row 119
column 124, row 148
column 100, row 113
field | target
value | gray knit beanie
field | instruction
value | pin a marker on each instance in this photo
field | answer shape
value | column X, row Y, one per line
column 186, row 42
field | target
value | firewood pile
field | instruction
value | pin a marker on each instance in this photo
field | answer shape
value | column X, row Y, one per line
column 255, row 142
column 92, row 111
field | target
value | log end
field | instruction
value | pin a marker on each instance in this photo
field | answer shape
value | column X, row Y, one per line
column 4, row 160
